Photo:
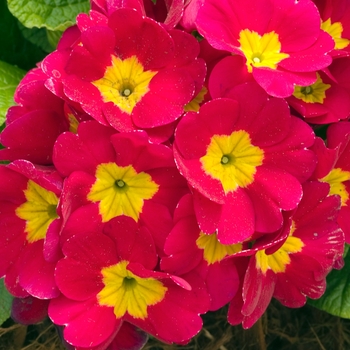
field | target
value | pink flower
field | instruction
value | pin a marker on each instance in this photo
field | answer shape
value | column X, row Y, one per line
column 135, row 75
column 296, row 268
column 335, row 17
column 245, row 162
column 281, row 41
column 334, row 168
column 325, row 101
column 29, row 219
column 189, row 249
column 108, row 278
column 33, row 126
column 113, row 174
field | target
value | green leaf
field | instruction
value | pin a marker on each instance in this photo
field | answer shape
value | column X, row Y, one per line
column 10, row 76
column 15, row 49
column 336, row 299
column 5, row 303
column 37, row 37
column 51, row 14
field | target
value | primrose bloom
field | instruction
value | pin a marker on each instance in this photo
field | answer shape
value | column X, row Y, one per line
column 189, row 249
column 335, row 20
column 245, row 162
column 136, row 74
column 281, row 41
column 326, row 100
column 29, row 219
column 108, row 278
column 113, row 174
column 33, row 126
column 333, row 167
column 296, row 269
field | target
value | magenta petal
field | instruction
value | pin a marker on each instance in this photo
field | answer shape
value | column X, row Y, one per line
column 159, row 229
column 141, row 36
column 192, row 170
column 77, row 223
column 83, row 151
column 313, row 58
column 100, row 42
column 29, row 310
column 280, row 83
column 23, row 138
column 222, row 282
column 284, row 189
column 129, row 337
column 268, row 215
column 208, row 213
column 95, row 249
column 87, row 323
column 12, row 281
column 237, row 222
column 36, row 275
column 78, row 280
column 133, row 243
column 257, row 293
column 159, row 107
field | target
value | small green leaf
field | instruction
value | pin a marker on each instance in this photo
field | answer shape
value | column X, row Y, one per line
column 51, row 14
column 5, row 303
column 336, row 300
column 10, row 76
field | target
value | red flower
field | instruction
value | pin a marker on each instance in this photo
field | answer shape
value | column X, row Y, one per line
column 245, row 163
column 282, row 42
column 135, row 75
column 296, row 268
column 113, row 174
column 334, row 168
column 30, row 223
column 111, row 277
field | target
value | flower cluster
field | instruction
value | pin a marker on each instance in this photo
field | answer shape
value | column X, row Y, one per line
column 163, row 162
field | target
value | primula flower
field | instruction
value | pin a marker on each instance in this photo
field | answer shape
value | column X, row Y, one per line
column 335, row 17
column 108, row 278
column 246, row 162
column 33, row 126
column 296, row 268
column 29, row 217
column 136, row 75
column 189, row 249
column 113, row 174
column 333, row 167
column 281, row 41
column 323, row 102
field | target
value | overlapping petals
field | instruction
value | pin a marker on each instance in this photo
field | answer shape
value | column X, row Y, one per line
column 282, row 42
column 164, row 163
column 246, row 164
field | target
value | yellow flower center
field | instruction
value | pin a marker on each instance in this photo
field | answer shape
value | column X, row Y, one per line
column 336, row 179
column 38, row 211
column 215, row 251
column 193, row 106
column 73, row 123
column 261, row 51
column 314, row 93
column 232, row 159
column 335, row 30
column 278, row 261
column 121, row 191
column 129, row 293
column 124, row 83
